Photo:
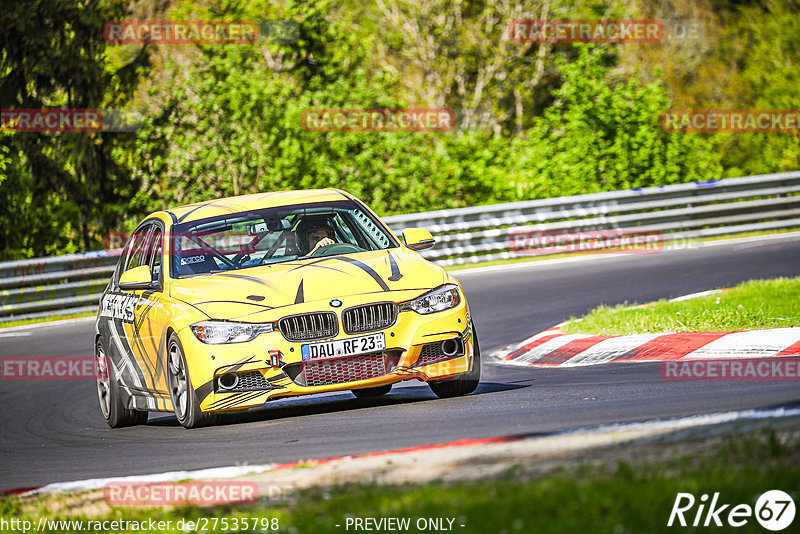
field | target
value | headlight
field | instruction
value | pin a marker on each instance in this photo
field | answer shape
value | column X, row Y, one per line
column 439, row 299
column 216, row 332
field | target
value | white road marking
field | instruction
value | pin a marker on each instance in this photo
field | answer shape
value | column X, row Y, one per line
column 696, row 420
column 609, row 349
column 582, row 434
column 546, row 348
column 691, row 296
column 749, row 344
column 48, row 324
column 15, row 334
column 500, row 353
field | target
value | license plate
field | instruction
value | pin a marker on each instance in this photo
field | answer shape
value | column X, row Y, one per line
column 343, row 347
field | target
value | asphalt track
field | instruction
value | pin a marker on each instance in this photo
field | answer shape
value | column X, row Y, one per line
column 52, row 431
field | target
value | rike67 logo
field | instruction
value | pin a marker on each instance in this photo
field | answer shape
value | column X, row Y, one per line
column 774, row 510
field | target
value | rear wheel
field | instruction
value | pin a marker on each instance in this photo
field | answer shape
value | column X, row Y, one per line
column 112, row 403
column 377, row 391
column 184, row 400
column 463, row 383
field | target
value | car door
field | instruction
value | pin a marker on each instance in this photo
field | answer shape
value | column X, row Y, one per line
column 123, row 311
column 151, row 318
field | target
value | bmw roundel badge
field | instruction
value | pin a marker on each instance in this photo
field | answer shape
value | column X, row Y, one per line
column 335, row 303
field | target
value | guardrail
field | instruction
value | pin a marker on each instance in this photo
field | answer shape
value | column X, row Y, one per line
column 42, row 287
column 677, row 212
column 73, row 283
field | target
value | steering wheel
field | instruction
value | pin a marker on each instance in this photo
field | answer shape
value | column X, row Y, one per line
column 336, row 248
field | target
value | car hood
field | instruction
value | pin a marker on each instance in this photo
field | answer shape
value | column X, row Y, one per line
column 233, row 294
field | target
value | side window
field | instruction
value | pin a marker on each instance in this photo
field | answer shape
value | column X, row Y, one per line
column 341, row 225
column 372, row 230
column 137, row 253
column 156, row 248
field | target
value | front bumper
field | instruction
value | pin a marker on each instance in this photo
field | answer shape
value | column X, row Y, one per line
column 410, row 353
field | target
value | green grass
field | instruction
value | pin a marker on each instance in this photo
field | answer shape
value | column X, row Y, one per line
column 756, row 304
column 602, row 498
column 37, row 320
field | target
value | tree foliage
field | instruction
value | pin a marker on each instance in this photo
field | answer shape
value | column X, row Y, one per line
column 534, row 119
column 59, row 189
column 234, row 95
column 603, row 134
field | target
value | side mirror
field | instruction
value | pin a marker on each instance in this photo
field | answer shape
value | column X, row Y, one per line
column 137, row 278
column 418, row 239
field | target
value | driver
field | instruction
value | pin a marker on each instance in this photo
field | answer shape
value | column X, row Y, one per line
column 316, row 235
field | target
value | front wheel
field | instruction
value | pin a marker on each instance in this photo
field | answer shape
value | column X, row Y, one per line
column 463, row 383
column 184, row 400
column 112, row 403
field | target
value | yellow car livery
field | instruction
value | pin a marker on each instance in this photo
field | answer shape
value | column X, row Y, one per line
column 224, row 305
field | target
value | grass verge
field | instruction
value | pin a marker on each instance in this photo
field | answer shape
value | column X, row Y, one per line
column 753, row 305
column 622, row 496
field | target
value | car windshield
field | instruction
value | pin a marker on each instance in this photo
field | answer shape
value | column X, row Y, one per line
column 262, row 237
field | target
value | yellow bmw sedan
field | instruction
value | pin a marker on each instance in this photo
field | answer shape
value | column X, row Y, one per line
column 224, row 305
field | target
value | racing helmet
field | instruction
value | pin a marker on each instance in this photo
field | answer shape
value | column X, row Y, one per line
column 311, row 224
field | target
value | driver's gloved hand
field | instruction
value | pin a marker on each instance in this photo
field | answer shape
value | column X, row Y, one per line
column 321, row 243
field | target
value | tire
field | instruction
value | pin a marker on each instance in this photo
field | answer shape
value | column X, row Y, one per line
column 463, row 383
column 184, row 400
column 112, row 402
column 377, row 391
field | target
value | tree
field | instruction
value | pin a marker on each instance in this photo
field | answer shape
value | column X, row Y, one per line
column 603, row 134
column 765, row 47
column 61, row 189
column 229, row 122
